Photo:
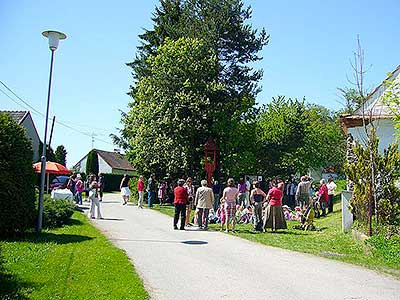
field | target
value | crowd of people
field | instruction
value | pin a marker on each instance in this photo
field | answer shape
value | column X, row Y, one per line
column 93, row 187
column 267, row 206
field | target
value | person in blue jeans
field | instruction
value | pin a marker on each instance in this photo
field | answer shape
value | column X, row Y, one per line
column 151, row 190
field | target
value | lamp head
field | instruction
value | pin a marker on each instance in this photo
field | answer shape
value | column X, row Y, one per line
column 54, row 37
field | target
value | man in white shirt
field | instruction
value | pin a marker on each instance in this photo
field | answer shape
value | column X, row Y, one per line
column 331, row 193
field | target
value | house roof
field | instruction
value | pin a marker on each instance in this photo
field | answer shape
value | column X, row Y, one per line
column 18, row 116
column 115, row 160
column 372, row 108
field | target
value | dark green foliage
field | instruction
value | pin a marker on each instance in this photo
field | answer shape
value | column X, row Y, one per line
column 56, row 212
column 61, row 155
column 50, row 156
column 228, row 86
column 92, row 163
column 17, row 192
column 112, row 182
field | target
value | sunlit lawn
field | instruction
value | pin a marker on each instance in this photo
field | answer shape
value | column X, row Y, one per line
column 73, row 262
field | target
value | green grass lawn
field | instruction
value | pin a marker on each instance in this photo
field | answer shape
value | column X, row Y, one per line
column 328, row 241
column 73, row 262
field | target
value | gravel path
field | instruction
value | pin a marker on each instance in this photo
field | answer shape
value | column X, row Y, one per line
column 191, row 265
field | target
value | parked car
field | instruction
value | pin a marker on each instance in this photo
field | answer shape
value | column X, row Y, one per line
column 60, row 182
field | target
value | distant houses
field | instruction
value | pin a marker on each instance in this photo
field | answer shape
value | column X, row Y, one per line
column 109, row 163
column 374, row 111
column 24, row 119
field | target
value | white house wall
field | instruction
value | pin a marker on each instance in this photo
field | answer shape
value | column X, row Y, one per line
column 384, row 130
column 32, row 135
column 81, row 166
column 103, row 166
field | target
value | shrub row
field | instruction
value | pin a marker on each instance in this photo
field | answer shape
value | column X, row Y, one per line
column 56, row 212
column 17, row 192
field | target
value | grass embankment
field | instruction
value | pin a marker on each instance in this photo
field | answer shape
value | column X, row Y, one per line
column 328, row 241
column 72, row 262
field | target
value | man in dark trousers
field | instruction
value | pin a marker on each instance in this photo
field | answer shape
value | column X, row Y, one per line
column 180, row 201
column 151, row 190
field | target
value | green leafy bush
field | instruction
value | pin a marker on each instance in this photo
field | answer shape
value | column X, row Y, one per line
column 389, row 248
column 17, row 192
column 375, row 174
column 56, row 212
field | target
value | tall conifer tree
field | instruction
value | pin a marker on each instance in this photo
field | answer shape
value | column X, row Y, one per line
column 222, row 26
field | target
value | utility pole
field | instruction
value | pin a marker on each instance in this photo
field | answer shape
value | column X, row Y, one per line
column 93, row 135
column 51, row 131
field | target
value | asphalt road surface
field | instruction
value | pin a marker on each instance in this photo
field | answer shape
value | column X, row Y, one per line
column 192, row 264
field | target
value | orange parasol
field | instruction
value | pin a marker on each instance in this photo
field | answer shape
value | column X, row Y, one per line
column 51, row 168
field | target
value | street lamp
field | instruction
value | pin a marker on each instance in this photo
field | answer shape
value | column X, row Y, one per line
column 54, row 37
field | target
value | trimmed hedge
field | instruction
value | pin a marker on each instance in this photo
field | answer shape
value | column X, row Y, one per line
column 112, row 182
column 17, row 179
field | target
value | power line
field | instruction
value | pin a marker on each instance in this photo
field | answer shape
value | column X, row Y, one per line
column 26, row 103
column 42, row 115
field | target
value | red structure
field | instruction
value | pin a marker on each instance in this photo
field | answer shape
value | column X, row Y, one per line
column 210, row 150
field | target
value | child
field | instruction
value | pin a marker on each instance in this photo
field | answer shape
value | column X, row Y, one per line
column 93, row 197
column 212, row 217
column 299, row 213
column 162, row 192
column 286, row 212
column 221, row 214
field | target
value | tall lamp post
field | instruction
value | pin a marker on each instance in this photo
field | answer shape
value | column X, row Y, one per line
column 54, row 37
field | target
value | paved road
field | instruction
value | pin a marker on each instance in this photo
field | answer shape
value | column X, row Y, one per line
column 212, row 265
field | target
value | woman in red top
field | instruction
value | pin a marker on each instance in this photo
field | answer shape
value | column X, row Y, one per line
column 180, row 200
column 274, row 217
column 323, row 196
column 140, row 188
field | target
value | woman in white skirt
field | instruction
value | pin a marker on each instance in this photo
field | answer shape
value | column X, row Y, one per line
column 124, row 187
column 94, row 199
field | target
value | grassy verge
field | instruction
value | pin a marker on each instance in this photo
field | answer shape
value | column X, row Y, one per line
column 329, row 241
column 72, row 262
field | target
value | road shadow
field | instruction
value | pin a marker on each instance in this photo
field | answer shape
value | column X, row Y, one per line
column 194, row 242
column 81, row 208
column 113, row 219
column 189, row 242
column 194, row 229
column 48, row 237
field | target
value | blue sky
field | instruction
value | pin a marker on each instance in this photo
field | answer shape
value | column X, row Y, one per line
column 308, row 56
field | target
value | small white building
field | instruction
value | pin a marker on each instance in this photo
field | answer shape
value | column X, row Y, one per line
column 374, row 111
column 109, row 163
column 24, row 119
